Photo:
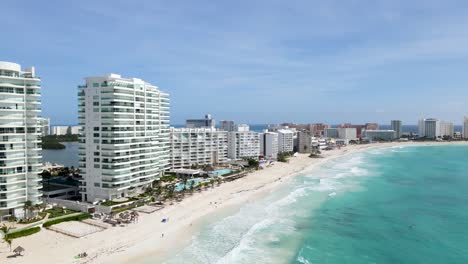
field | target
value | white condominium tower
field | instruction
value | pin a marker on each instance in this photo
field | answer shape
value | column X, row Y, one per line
column 397, row 126
column 465, row 127
column 20, row 139
column 197, row 146
column 243, row 144
column 285, row 140
column 124, row 138
column 269, row 145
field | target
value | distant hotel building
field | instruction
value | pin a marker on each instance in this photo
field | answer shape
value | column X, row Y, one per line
column 397, row 126
column 285, row 140
column 433, row 128
column 45, row 126
column 243, row 144
column 269, row 145
column 64, row 130
column 208, row 121
column 124, row 142
column 197, row 146
column 331, row 133
column 446, row 129
column 465, row 127
column 318, row 129
column 227, row 125
column 20, row 143
column 376, row 135
column 347, row 133
column 304, row 141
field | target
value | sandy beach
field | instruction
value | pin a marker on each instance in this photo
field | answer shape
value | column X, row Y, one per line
column 136, row 241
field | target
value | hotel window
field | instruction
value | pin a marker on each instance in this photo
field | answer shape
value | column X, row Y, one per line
column 95, row 84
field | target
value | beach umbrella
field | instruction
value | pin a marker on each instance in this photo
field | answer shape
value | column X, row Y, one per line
column 18, row 250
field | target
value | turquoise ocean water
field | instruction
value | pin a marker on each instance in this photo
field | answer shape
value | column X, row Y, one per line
column 393, row 205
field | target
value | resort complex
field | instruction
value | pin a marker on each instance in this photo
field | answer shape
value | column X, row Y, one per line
column 134, row 165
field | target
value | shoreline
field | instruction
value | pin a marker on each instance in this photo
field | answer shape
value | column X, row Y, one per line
column 136, row 242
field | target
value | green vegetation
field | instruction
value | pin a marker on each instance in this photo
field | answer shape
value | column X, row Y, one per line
column 53, row 213
column 23, row 233
column 252, row 163
column 315, row 154
column 66, row 219
column 284, row 156
column 112, row 203
column 53, row 141
column 168, row 178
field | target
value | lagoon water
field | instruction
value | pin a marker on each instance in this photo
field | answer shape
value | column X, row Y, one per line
column 66, row 157
column 394, row 205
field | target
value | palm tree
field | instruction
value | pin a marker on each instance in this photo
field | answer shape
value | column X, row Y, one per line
column 184, row 181
column 27, row 207
column 192, row 184
column 5, row 229
column 212, row 183
column 170, row 191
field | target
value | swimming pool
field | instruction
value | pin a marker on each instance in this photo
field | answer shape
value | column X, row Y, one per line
column 196, row 181
column 221, row 172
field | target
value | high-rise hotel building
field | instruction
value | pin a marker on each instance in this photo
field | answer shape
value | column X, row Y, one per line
column 124, row 136
column 20, row 139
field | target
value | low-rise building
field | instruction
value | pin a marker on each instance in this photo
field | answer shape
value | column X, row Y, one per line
column 197, row 146
column 379, row 135
column 65, row 130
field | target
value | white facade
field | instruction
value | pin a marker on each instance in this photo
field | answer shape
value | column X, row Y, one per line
column 124, row 141
column 373, row 135
column 20, row 138
column 269, row 145
column 45, row 125
column 285, row 140
column 465, row 127
column 197, row 146
column 347, row 133
column 446, row 129
column 63, row 130
column 421, row 128
column 242, row 128
column 397, row 126
column 227, row 125
column 431, row 128
column 243, row 144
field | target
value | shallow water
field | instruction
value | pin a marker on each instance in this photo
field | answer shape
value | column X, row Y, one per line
column 394, row 205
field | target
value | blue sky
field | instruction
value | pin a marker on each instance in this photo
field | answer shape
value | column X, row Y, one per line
column 251, row 61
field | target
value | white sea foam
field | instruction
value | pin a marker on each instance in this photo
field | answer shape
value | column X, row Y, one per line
column 301, row 259
column 247, row 236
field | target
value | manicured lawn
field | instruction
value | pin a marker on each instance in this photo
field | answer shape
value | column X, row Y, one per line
column 56, row 213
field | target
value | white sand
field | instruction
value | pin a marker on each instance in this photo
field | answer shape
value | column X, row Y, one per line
column 135, row 241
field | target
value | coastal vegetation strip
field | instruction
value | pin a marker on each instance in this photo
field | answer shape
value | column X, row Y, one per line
column 22, row 233
column 77, row 217
column 53, row 141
